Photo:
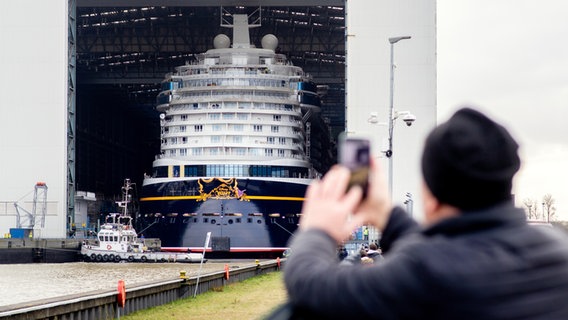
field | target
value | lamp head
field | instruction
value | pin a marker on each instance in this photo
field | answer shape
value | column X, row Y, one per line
column 394, row 40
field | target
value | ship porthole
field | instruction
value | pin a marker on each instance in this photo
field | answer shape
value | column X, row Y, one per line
column 230, row 221
column 213, row 221
column 259, row 221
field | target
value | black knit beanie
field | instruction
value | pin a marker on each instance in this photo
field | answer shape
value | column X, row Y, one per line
column 469, row 161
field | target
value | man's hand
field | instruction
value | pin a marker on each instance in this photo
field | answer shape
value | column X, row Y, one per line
column 327, row 207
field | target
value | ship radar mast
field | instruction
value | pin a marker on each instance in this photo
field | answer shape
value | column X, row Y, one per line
column 241, row 26
column 125, row 197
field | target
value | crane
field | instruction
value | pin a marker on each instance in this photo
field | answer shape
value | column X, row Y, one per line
column 39, row 207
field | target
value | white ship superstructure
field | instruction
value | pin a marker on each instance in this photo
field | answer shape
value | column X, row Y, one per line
column 236, row 105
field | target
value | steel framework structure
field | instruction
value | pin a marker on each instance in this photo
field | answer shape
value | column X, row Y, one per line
column 137, row 46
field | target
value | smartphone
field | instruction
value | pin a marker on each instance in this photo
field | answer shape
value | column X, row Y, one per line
column 355, row 154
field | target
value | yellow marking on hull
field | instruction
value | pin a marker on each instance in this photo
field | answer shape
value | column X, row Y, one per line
column 275, row 198
column 170, row 198
column 198, row 197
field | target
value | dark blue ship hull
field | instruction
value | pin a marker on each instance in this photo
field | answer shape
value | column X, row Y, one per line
column 243, row 215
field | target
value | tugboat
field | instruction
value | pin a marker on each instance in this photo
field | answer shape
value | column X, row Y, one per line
column 118, row 241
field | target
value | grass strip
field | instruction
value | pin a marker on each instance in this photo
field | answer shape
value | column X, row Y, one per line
column 253, row 298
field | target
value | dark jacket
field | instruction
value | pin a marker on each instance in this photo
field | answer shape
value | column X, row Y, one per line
column 481, row 265
column 376, row 256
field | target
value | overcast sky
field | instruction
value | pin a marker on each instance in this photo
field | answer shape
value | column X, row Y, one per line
column 510, row 58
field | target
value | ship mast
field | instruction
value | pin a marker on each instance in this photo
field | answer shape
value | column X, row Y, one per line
column 241, row 26
column 125, row 197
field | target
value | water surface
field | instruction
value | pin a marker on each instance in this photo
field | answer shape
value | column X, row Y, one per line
column 29, row 282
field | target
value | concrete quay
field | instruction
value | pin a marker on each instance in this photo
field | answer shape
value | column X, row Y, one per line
column 24, row 250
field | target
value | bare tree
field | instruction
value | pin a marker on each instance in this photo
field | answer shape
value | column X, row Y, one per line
column 548, row 208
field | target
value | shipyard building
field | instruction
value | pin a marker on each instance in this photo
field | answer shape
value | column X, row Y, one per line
column 80, row 81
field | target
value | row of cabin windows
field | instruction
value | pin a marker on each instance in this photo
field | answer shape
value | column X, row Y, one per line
column 223, row 127
column 214, row 139
column 230, row 116
column 246, row 82
column 235, row 105
column 229, row 81
column 229, row 218
column 108, row 238
column 232, row 80
column 229, row 138
column 231, row 170
column 236, row 139
column 216, row 151
column 229, row 221
column 169, row 96
column 224, row 95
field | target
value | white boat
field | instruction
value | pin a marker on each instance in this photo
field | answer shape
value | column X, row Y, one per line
column 118, row 241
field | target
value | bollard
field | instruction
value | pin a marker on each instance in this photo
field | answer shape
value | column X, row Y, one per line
column 121, row 297
column 227, row 272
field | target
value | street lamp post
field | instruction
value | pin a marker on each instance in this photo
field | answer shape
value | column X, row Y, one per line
column 392, row 118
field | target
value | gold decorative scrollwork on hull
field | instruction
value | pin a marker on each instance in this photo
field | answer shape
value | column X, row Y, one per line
column 219, row 188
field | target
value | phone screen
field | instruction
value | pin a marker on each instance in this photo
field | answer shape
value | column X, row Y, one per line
column 355, row 154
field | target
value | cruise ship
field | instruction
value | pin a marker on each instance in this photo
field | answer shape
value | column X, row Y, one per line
column 240, row 127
